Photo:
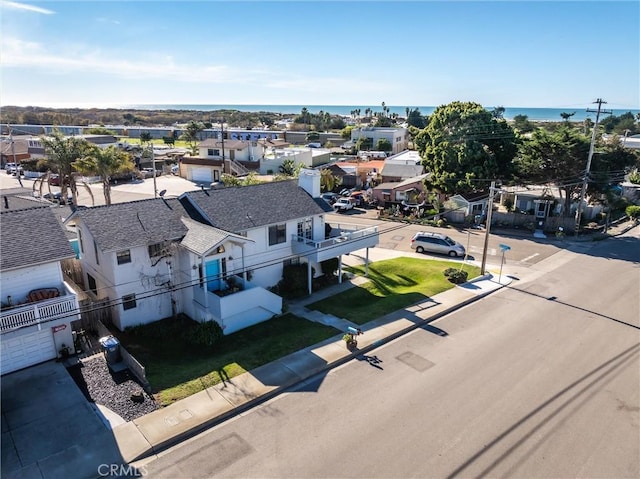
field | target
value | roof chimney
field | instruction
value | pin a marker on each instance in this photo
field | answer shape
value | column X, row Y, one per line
column 309, row 180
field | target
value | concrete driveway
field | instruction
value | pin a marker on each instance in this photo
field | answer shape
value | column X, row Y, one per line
column 49, row 429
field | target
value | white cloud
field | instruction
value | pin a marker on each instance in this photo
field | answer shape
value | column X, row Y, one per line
column 26, row 7
column 24, row 54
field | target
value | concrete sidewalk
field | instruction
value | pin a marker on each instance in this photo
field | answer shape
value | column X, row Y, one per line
column 160, row 429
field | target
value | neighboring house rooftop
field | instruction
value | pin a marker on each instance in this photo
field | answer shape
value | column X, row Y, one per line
column 472, row 197
column 136, row 223
column 400, row 170
column 533, row 191
column 18, row 147
column 405, row 157
column 20, row 199
column 240, row 208
column 30, row 237
column 399, row 185
column 228, row 144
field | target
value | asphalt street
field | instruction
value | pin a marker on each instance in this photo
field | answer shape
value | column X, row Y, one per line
column 539, row 380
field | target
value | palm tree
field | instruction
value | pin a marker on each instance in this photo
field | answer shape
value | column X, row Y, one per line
column 104, row 163
column 328, row 181
column 565, row 116
column 62, row 153
column 288, row 167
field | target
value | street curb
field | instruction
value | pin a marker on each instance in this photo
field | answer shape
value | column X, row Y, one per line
column 170, row 442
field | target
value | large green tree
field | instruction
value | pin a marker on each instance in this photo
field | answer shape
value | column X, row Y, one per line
column 463, row 146
column 190, row 134
column 414, row 118
column 104, row 163
column 555, row 157
column 610, row 165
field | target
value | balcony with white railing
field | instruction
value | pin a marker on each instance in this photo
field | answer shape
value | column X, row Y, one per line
column 343, row 239
column 37, row 313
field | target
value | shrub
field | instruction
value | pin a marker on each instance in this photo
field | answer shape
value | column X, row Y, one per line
column 330, row 266
column 205, row 334
column 455, row 276
column 633, row 211
column 294, row 281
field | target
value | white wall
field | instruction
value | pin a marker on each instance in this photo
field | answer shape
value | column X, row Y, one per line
column 144, row 280
column 18, row 283
column 272, row 160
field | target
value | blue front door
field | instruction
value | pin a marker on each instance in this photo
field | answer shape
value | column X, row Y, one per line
column 212, row 272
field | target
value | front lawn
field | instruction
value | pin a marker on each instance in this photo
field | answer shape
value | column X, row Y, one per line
column 394, row 284
column 176, row 369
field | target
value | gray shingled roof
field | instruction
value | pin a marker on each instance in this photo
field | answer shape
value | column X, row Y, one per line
column 31, row 236
column 202, row 238
column 137, row 223
column 21, row 202
column 241, row 208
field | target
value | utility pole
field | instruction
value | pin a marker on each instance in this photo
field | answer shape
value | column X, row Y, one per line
column 222, row 140
column 153, row 164
column 585, row 179
column 488, row 228
column 13, row 153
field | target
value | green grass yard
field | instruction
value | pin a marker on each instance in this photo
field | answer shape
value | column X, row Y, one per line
column 394, row 284
column 176, row 369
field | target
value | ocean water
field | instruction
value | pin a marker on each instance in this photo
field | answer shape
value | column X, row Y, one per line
column 534, row 114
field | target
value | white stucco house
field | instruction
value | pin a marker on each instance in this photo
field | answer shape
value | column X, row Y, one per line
column 211, row 254
column 38, row 306
column 398, row 137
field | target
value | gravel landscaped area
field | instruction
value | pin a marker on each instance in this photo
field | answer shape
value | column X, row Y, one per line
column 113, row 390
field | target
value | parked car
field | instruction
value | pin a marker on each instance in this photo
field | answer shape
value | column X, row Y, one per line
column 57, row 198
column 54, row 180
column 13, row 168
column 343, row 204
column 330, row 197
column 175, row 169
column 148, row 172
column 436, row 243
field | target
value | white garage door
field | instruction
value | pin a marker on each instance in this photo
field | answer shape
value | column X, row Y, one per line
column 27, row 350
column 201, row 175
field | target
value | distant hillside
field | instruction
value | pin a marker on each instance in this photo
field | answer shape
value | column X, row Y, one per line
column 33, row 115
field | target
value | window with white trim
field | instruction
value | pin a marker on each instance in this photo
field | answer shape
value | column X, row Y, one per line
column 129, row 301
column 277, row 234
column 123, row 256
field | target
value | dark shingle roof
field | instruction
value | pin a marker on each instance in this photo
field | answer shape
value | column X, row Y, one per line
column 137, row 223
column 240, row 208
column 21, row 202
column 31, row 236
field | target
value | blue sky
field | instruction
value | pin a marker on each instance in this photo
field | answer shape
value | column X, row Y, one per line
column 416, row 53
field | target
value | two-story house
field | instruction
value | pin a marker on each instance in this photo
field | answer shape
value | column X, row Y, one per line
column 398, row 137
column 217, row 156
column 38, row 306
column 211, row 254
